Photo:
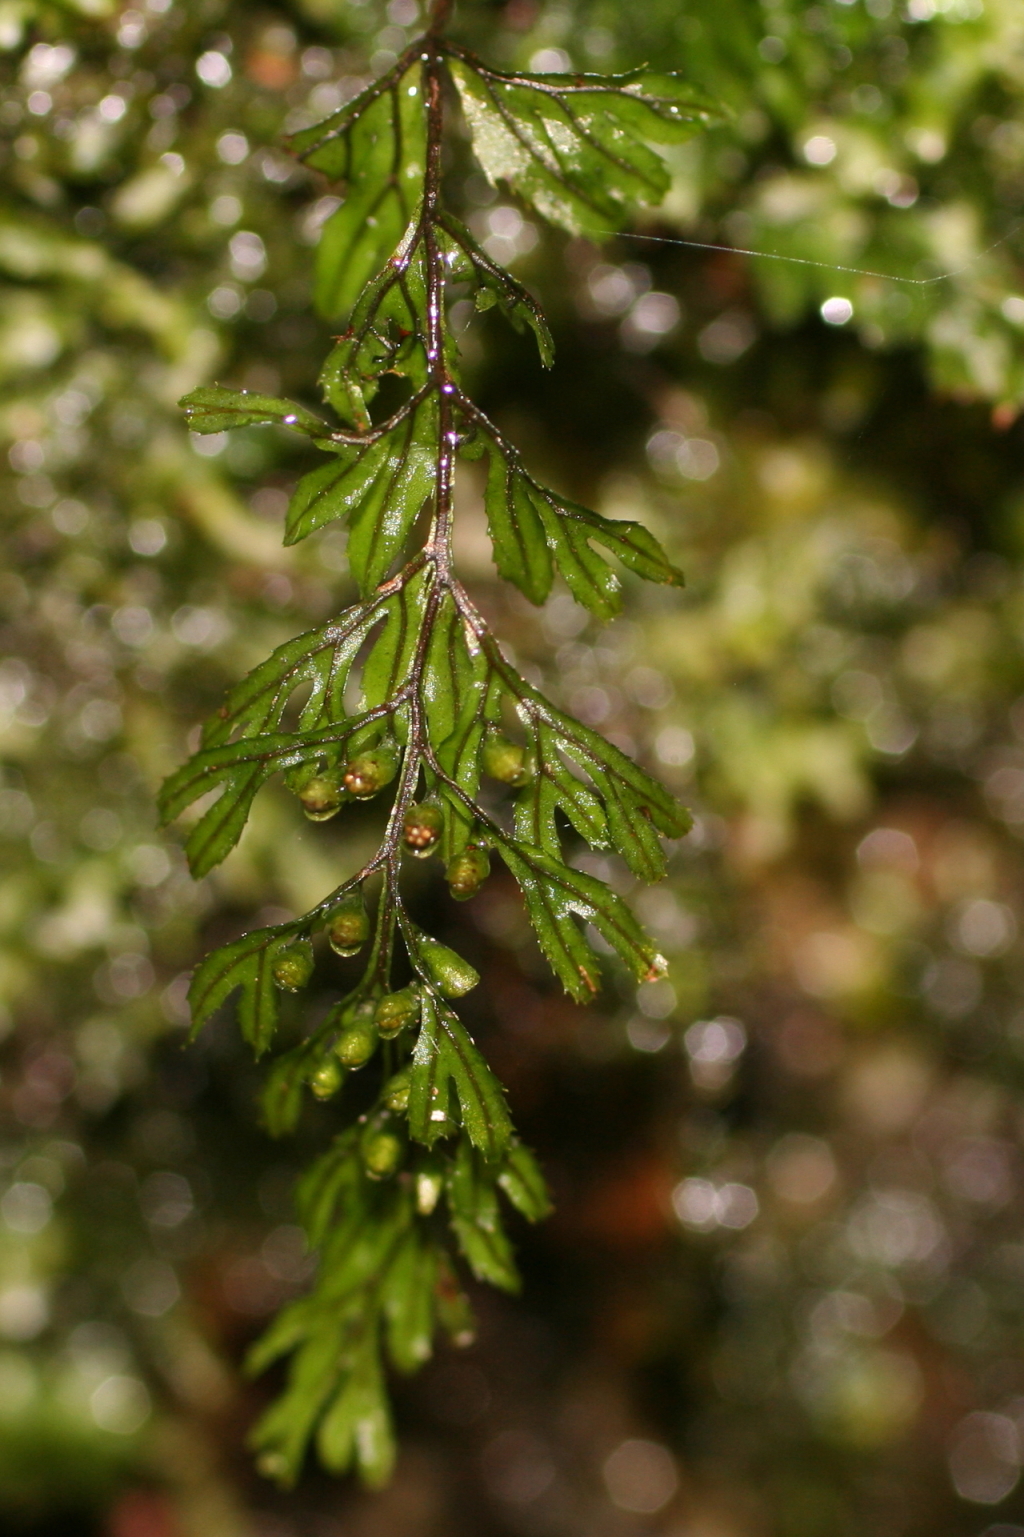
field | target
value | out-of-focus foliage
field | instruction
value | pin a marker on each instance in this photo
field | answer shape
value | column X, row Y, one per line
column 781, row 1293
column 869, row 134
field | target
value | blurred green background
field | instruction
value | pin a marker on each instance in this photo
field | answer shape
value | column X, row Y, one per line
column 783, row 1293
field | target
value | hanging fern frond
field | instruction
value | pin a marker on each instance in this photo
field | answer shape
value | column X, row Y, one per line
column 415, row 1189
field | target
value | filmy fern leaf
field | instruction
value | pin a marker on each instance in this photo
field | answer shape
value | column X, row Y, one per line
column 413, row 1190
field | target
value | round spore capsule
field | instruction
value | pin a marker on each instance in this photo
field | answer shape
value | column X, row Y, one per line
column 355, row 1045
column 505, row 760
column 321, row 798
column 368, row 772
column 293, row 967
column 421, row 829
column 327, row 1079
column 349, row 928
column 467, row 872
column 382, row 1154
column 397, row 1010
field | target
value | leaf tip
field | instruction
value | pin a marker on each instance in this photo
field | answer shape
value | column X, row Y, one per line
column 591, row 984
column 199, row 864
column 656, row 969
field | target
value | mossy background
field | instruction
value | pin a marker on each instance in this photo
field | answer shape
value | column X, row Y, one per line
column 783, row 1293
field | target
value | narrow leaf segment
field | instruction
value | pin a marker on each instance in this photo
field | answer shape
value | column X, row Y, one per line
column 406, row 695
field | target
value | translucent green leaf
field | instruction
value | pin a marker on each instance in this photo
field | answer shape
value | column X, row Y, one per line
column 282, row 1095
column 222, row 824
column 213, row 408
column 248, row 964
column 333, row 489
column 376, row 145
column 289, row 1328
column 381, row 524
column 409, row 1303
column 357, row 1427
column 320, row 658
column 632, row 543
column 378, row 1275
column 523, row 1183
column 380, row 487
column 284, row 1431
column 459, row 755
column 609, row 765
column 454, row 1313
column 386, row 334
column 468, row 261
column 516, row 527
column 334, row 1188
column 452, row 1085
column 553, row 788
column 534, row 533
column 241, row 768
column 450, row 674
column 284, row 1092
column 636, row 807
column 576, row 147
column 389, row 663
column 476, row 1220
column 358, row 1249
column 555, row 897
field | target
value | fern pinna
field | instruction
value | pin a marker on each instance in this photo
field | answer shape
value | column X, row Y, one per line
column 411, row 1190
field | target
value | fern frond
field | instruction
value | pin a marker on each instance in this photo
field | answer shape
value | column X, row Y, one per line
column 410, row 1190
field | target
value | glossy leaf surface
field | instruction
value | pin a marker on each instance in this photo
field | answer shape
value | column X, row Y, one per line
column 213, row 408
column 536, row 533
column 247, row 965
column 380, row 489
column 452, row 1085
column 576, row 147
column 376, row 147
